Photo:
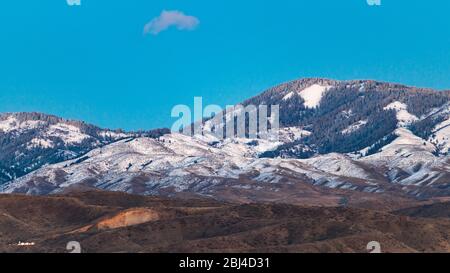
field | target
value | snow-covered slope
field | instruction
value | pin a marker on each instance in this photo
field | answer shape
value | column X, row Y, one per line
column 313, row 94
column 440, row 133
column 177, row 163
column 408, row 159
column 31, row 140
column 391, row 139
column 403, row 116
column 354, row 127
column 11, row 123
column 181, row 162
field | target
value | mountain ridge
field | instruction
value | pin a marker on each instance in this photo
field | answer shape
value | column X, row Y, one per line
column 29, row 140
column 340, row 141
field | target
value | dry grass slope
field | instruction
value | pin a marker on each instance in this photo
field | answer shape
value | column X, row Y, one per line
column 118, row 222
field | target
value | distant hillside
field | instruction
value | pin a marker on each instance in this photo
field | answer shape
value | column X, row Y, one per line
column 117, row 222
column 340, row 142
column 31, row 140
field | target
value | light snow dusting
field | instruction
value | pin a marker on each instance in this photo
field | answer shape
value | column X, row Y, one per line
column 354, row 127
column 12, row 124
column 69, row 134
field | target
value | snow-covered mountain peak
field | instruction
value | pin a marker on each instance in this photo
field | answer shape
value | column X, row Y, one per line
column 359, row 136
column 31, row 140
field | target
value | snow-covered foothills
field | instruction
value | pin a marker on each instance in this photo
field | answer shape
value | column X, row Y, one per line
column 165, row 160
column 67, row 133
column 176, row 163
column 234, row 169
column 31, row 140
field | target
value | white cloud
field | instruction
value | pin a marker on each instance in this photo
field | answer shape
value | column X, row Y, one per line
column 171, row 18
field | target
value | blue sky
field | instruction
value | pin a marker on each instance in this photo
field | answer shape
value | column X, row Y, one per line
column 95, row 63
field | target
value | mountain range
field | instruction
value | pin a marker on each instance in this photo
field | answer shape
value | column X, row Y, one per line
column 347, row 143
column 29, row 141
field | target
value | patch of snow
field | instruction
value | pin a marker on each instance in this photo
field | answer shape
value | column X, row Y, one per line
column 290, row 134
column 354, row 127
column 289, row 95
column 403, row 116
column 113, row 135
column 347, row 113
column 404, row 153
column 337, row 164
column 40, row 142
column 313, row 95
column 8, row 124
column 441, row 136
column 11, row 124
column 68, row 133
